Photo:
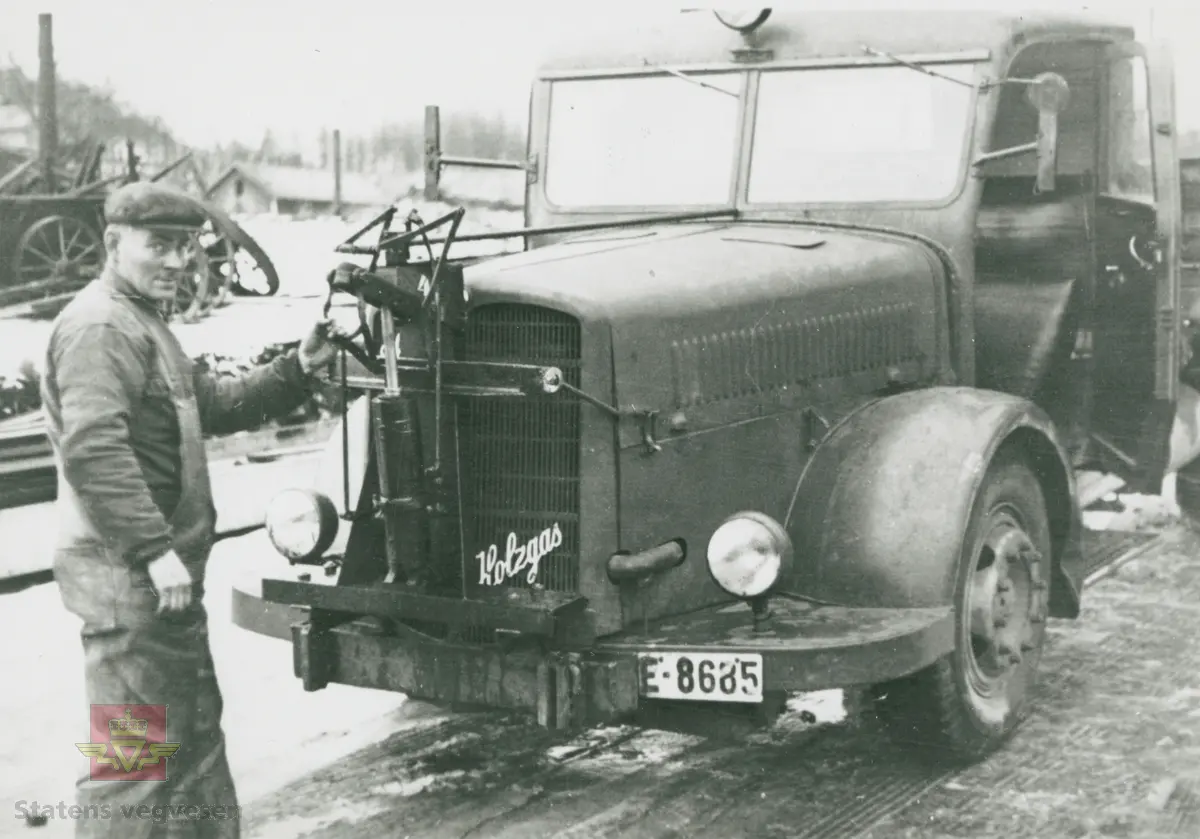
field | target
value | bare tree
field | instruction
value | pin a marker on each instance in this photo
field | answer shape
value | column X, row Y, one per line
column 88, row 113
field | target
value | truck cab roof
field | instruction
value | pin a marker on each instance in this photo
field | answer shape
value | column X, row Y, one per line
column 699, row 39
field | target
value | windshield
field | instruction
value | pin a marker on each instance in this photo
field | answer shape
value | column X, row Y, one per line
column 852, row 134
column 858, row 134
column 642, row 141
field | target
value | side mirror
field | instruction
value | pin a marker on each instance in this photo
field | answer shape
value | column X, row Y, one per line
column 1049, row 93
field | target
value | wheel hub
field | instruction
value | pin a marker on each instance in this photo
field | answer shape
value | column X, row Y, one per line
column 66, row 269
column 1007, row 599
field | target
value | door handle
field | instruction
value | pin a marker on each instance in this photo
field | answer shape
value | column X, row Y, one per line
column 1156, row 252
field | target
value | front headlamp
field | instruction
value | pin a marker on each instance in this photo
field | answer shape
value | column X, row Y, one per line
column 302, row 524
column 748, row 554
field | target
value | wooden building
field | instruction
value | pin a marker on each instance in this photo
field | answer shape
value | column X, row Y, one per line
column 295, row 191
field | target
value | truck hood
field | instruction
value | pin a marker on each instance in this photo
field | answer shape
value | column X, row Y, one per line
column 676, row 270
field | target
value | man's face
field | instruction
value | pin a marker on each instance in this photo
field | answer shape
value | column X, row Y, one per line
column 152, row 261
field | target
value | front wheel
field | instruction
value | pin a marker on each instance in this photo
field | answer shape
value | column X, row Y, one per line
column 968, row 703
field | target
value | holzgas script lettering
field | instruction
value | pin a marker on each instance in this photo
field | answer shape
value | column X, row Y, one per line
column 517, row 558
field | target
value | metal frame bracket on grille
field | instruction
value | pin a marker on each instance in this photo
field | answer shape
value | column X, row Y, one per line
column 487, row 378
column 539, row 614
column 465, row 378
column 646, row 417
column 649, row 423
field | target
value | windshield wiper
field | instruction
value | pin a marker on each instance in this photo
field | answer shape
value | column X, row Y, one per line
column 398, row 240
column 689, row 79
column 911, row 66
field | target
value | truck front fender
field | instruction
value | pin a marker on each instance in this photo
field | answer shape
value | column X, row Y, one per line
column 879, row 514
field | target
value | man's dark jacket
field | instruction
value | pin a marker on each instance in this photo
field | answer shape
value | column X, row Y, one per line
column 116, row 423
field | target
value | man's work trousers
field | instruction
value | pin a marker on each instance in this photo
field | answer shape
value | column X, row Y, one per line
column 164, row 662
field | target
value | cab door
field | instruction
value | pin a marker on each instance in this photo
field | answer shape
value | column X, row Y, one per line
column 1139, row 232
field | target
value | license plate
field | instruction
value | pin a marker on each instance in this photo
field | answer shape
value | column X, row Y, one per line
column 706, row 677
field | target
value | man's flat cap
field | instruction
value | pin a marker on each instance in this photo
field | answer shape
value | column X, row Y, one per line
column 153, row 205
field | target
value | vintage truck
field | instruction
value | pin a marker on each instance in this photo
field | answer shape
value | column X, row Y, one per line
column 819, row 318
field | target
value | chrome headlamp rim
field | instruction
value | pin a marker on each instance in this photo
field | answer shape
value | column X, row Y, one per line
column 780, row 542
column 325, row 522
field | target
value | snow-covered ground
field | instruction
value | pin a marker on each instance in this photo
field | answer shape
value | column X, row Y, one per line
column 276, row 732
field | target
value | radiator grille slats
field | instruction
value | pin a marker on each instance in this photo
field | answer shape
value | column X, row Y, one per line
column 521, row 456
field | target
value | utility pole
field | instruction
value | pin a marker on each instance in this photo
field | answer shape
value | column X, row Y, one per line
column 47, row 106
column 337, row 171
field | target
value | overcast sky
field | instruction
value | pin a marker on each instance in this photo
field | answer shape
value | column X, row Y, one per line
column 222, row 69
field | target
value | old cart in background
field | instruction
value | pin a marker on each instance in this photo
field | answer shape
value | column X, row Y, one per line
column 50, row 229
column 51, row 246
column 51, row 241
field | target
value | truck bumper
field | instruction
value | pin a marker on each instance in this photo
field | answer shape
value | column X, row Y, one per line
column 250, row 612
column 804, row 647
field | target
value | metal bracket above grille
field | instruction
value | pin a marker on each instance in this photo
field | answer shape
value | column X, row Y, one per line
column 465, row 378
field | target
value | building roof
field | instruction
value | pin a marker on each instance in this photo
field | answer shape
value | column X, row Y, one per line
column 16, row 127
column 292, row 183
column 699, row 38
column 1189, row 147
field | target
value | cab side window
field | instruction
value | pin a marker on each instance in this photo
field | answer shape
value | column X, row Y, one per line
column 1130, row 164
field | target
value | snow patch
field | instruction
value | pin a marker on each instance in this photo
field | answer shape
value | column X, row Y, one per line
column 660, row 746
column 827, row 706
column 589, row 741
column 342, row 813
column 415, row 786
column 443, row 746
column 649, row 748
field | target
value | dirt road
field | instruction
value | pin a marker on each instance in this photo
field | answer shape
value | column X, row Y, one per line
column 1110, row 752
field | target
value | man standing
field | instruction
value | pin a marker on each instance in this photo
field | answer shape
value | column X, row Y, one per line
column 1184, row 452
column 126, row 415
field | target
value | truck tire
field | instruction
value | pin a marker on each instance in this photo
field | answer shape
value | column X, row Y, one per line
column 969, row 703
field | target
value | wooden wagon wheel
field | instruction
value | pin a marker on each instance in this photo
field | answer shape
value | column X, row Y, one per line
column 58, row 248
column 253, row 276
column 223, row 264
column 253, row 273
column 192, row 292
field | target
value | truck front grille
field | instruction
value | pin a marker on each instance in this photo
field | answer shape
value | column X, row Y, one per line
column 520, row 457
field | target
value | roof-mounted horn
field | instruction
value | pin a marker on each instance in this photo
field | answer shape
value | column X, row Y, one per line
column 743, row 20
